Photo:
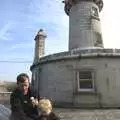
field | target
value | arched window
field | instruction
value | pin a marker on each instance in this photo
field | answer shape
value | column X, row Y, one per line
column 95, row 12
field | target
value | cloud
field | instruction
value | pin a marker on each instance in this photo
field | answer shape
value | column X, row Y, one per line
column 4, row 31
column 24, row 21
column 48, row 12
column 7, row 32
column 21, row 46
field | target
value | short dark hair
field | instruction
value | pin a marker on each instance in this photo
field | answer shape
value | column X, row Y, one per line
column 22, row 77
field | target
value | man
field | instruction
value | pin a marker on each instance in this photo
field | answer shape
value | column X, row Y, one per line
column 22, row 106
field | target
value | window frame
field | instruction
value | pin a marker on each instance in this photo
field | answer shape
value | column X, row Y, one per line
column 92, row 79
column 96, row 14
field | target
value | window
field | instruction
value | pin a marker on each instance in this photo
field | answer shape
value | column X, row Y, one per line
column 85, row 80
column 95, row 12
column 98, row 40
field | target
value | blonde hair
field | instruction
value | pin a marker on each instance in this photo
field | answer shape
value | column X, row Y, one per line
column 45, row 105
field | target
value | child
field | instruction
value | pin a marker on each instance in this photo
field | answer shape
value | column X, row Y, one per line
column 45, row 110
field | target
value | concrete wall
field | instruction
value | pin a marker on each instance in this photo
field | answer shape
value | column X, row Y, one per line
column 3, row 88
column 57, row 80
column 5, row 98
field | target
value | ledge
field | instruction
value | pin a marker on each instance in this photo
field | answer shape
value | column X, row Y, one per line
column 86, row 93
column 78, row 53
column 96, row 18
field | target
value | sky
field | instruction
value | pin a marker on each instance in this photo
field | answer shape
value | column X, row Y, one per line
column 20, row 20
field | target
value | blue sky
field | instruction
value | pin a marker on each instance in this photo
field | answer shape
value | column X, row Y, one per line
column 20, row 20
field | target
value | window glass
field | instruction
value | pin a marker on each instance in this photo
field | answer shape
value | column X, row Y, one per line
column 85, row 80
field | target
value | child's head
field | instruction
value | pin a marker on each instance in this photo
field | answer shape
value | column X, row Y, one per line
column 45, row 106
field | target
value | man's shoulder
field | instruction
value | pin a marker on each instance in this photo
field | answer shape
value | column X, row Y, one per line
column 15, row 92
column 15, row 99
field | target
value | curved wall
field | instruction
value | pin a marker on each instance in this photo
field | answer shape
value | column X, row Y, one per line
column 56, row 78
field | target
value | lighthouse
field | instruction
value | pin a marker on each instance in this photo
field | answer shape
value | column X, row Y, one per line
column 87, row 75
column 84, row 23
column 39, row 45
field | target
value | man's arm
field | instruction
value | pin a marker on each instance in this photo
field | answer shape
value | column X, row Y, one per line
column 16, row 105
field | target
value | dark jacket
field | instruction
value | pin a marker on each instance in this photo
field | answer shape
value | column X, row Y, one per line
column 21, row 104
column 51, row 116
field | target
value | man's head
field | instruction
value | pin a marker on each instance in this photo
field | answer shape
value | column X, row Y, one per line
column 23, row 82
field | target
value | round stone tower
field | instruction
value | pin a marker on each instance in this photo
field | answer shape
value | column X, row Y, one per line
column 39, row 45
column 84, row 23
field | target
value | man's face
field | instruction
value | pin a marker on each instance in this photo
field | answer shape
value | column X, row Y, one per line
column 23, row 86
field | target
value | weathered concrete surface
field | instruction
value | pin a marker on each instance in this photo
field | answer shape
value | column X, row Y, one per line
column 84, row 26
column 93, row 114
column 75, row 114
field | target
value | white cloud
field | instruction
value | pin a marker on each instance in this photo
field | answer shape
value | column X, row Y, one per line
column 49, row 11
column 20, row 46
column 4, row 30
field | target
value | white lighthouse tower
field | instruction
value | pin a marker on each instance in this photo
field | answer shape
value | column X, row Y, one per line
column 39, row 45
column 84, row 23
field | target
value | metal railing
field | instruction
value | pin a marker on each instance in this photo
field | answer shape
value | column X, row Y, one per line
column 5, row 97
column 5, row 93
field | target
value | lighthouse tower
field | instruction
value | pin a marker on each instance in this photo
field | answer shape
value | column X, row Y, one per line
column 84, row 23
column 39, row 45
column 87, row 75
